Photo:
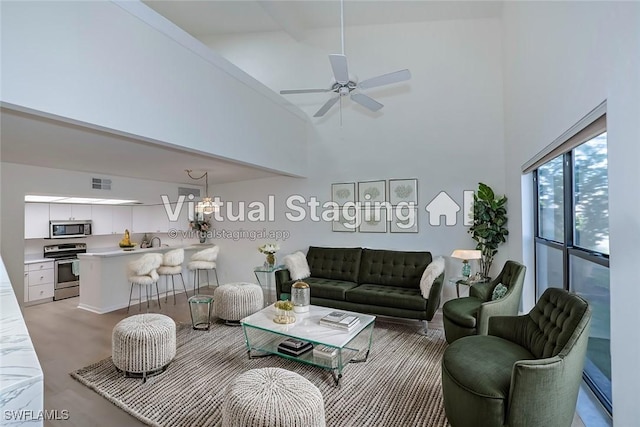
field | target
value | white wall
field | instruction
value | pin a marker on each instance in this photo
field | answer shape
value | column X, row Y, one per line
column 443, row 127
column 124, row 67
column 18, row 180
column 562, row 59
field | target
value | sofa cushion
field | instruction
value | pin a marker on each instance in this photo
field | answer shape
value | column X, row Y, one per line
column 387, row 296
column 483, row 364
column 462, row 311
column 334, row 263
column 393, row 268
column 328, row 288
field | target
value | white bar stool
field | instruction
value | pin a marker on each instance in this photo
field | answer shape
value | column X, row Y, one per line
column 142, row 272
column 203, row 260
column 172, row 266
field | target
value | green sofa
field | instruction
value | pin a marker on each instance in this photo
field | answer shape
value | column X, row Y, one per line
column 525, row 373
column 382, row 282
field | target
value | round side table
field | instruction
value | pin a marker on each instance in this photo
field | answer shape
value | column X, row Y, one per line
column 200, row 307
column 459, row 281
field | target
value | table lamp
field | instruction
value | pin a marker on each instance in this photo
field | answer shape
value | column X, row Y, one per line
column 465, row 255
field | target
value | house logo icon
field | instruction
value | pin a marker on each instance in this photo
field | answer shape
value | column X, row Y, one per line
column 442, row 205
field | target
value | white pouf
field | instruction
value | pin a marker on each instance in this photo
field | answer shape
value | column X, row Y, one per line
column 233, row 301
column 143, row 344
column 272, row 397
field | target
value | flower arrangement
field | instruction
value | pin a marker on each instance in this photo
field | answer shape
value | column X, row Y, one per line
column 200, row 225
column 269, row 248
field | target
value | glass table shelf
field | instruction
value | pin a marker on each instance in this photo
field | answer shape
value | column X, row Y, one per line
column 263, row 335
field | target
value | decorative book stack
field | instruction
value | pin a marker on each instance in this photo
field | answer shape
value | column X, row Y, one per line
column 340, row 320
column 325, row 355
column 294, row 347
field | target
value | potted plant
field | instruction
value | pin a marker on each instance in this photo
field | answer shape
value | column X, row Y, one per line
column 489, row 225
column 284, row 312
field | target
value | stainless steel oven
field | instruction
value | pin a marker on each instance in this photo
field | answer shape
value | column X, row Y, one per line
column 66, row 271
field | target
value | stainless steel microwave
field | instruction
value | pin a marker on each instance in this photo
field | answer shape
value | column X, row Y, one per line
column 69, row 229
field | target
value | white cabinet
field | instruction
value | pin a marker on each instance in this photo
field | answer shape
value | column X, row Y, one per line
column 121, row 219
column 107, row 219
column 38, row 281
column 182, row 223
column 69, row 212
column 36, row 220
column 101, row 219
column 149, row 219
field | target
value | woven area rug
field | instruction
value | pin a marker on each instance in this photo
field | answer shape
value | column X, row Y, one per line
column 399, row 384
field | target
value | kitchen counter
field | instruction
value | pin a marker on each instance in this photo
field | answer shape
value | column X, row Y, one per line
column 114, row 252
column 21, row 378
column 105, row 287
column 35, row 259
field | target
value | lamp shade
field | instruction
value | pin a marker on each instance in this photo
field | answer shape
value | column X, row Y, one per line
column 466, row 254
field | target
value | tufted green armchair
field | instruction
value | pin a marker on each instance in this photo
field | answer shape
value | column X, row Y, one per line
column 525, row 373
column 470, row 315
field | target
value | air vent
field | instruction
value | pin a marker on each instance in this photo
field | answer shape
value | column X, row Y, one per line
column 185, row 191
column 100, row 184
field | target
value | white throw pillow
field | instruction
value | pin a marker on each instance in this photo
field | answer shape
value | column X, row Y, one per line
column 431, row 273
column 297, row 265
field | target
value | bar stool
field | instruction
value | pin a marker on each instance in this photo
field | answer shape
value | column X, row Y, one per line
column 203, row 260
column 142, row 272
column 172, row 266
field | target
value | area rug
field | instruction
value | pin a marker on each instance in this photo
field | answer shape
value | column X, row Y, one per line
column 399, row 384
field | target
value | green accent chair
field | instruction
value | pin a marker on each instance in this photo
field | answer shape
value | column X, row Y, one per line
column 525, row 373
column 470, row 315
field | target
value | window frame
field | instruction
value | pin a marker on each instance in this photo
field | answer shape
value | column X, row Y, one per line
column 567, row 247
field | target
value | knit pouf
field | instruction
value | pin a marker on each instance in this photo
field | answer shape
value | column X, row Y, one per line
column 272, row 397
column 143, row 344
column 234, row 301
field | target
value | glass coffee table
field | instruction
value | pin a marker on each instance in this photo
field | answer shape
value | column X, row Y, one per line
column 263, row 335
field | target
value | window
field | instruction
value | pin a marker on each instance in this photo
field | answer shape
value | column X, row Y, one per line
column 572, row 241
column 551, row 200
column 591, row 195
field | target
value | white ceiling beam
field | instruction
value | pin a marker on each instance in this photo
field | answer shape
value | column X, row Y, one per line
column 285, row 16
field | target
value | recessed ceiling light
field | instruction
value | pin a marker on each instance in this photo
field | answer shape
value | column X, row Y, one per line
column 43, row 199
column 83, row 200
column 116, row 202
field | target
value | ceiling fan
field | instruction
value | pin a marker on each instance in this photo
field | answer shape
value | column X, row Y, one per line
column 344, row 85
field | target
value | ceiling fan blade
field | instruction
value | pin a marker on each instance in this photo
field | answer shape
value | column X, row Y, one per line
column 294, row 91
column 385, row 79
column 340, row 69
column 322, row 111
column 366, row 101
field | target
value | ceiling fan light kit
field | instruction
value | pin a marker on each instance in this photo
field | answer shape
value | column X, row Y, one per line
column 343, row 85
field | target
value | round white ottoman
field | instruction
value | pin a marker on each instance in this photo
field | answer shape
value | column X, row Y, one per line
column 143, row 344
column 233, row 301
column 272, row 397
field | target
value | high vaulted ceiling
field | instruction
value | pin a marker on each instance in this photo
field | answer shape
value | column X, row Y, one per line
column 215, row 18
column 33, row 140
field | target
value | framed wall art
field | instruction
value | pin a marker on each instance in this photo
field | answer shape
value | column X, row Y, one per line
column 403, row 190
column 373, row 221
column 404, row 219
column 342, row 193
column 372, row 191
column 346, row 221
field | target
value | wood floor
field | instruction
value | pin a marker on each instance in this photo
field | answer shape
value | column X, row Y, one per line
column 67, row 338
